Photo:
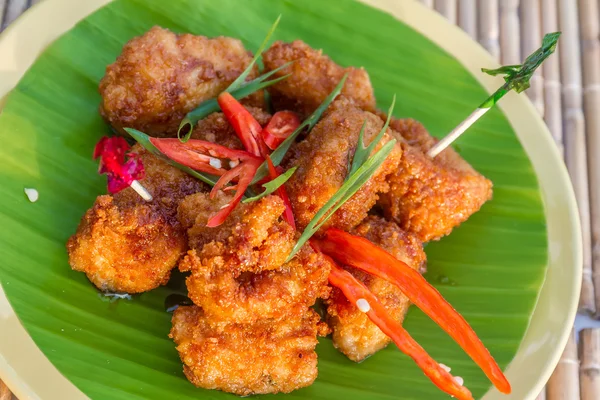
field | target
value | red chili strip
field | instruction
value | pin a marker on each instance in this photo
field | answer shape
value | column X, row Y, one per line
column 354, row 290
column 120, row 172
column 282, row 125
column 360, row 253
column 288, row 214
column 244, row 124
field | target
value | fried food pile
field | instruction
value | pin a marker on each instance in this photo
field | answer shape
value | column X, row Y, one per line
column 252, row 328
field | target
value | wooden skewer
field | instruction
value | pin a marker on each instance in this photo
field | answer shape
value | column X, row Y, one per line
column 590, row 34
column 551, row 71
column 488, row 26
column 509, row 29
column 467, row 17
column 447, row 8
column 575, row 143
column 531, row 39
column 428, row 3
column 564, row 382
column 589, row 371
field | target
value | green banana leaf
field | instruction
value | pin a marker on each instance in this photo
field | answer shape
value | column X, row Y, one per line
column 491, row 268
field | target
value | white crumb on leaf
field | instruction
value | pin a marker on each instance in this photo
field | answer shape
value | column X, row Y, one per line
column 32, row 194
column 363, row 305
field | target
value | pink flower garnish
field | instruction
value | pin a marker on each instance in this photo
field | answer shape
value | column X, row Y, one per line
column 121, row 172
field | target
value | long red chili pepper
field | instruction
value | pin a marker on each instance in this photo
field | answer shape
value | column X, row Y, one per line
column 246, row 127
column 288, row 214
column 360, row 253
column 354, row 290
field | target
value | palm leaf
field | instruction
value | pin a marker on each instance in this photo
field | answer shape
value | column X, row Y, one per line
column 490, row 269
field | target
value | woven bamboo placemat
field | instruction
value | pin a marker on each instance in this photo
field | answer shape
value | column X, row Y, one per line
column 566, row 91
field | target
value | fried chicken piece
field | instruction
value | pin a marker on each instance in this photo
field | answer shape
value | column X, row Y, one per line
column 353, row 332
column 124, row 244
column 161, row 76
column 238, row 270
column 265, row 357
column 323, row 158
column 430, row 197
column 216, row 129
column 314, row 76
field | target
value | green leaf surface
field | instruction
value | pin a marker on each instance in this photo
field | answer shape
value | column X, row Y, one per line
column 491, row 268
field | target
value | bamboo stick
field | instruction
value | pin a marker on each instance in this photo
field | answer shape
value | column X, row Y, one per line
column 575, row 143
column 447, row 8
column 13, row 10
column 551, row 72
column 531, row 40
column 589, row 371
column 590, row 34
column 427, row 3
column 564, row 382
column 5, row 393
column 488, row 27
column 467, row 17
column 510, row 48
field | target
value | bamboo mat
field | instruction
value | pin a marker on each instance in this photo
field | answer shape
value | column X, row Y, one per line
column 566, row 91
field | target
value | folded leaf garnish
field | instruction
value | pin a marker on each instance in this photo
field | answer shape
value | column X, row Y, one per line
column 187, row 124
column 144, row 141
column 362, row 153
column 210, row 106
column 271, row 186
column 515, row 76
column 356, row 291
column 360, row 253
column 308, row 124
column 352, row 184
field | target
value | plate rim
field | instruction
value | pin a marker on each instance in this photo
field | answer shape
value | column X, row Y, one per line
column 519, row 111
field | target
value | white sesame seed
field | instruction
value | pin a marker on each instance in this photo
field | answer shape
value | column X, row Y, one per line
column 459, row 380
column 445, row 367
column 215, row 163
column 363, row 305
column 32, row 194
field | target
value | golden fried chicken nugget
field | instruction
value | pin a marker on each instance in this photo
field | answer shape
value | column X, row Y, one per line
column 262, row 358
column 313, row 77
column 124, row 244
column 216, row 129
column 252, row 238
column 353, row 332
column 161, row 76
column 323, row 158
column 430, row 197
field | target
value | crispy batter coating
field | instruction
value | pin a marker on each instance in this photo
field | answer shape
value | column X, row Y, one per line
column 238, row 271
column 125, row 244
column 353, row 333
column 323, row 158
column 263, row 358
column 430, row 197
column 216, row 129
column 314, row 76
column 160, row 76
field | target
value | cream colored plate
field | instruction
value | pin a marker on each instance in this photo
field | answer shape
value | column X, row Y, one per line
column 30, row 375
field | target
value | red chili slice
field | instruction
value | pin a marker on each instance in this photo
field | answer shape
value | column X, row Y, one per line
column 360, row 253
column 354, row 290
column 120, row 172
column 244, row 124
column 282, row 125
column 288, row 214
